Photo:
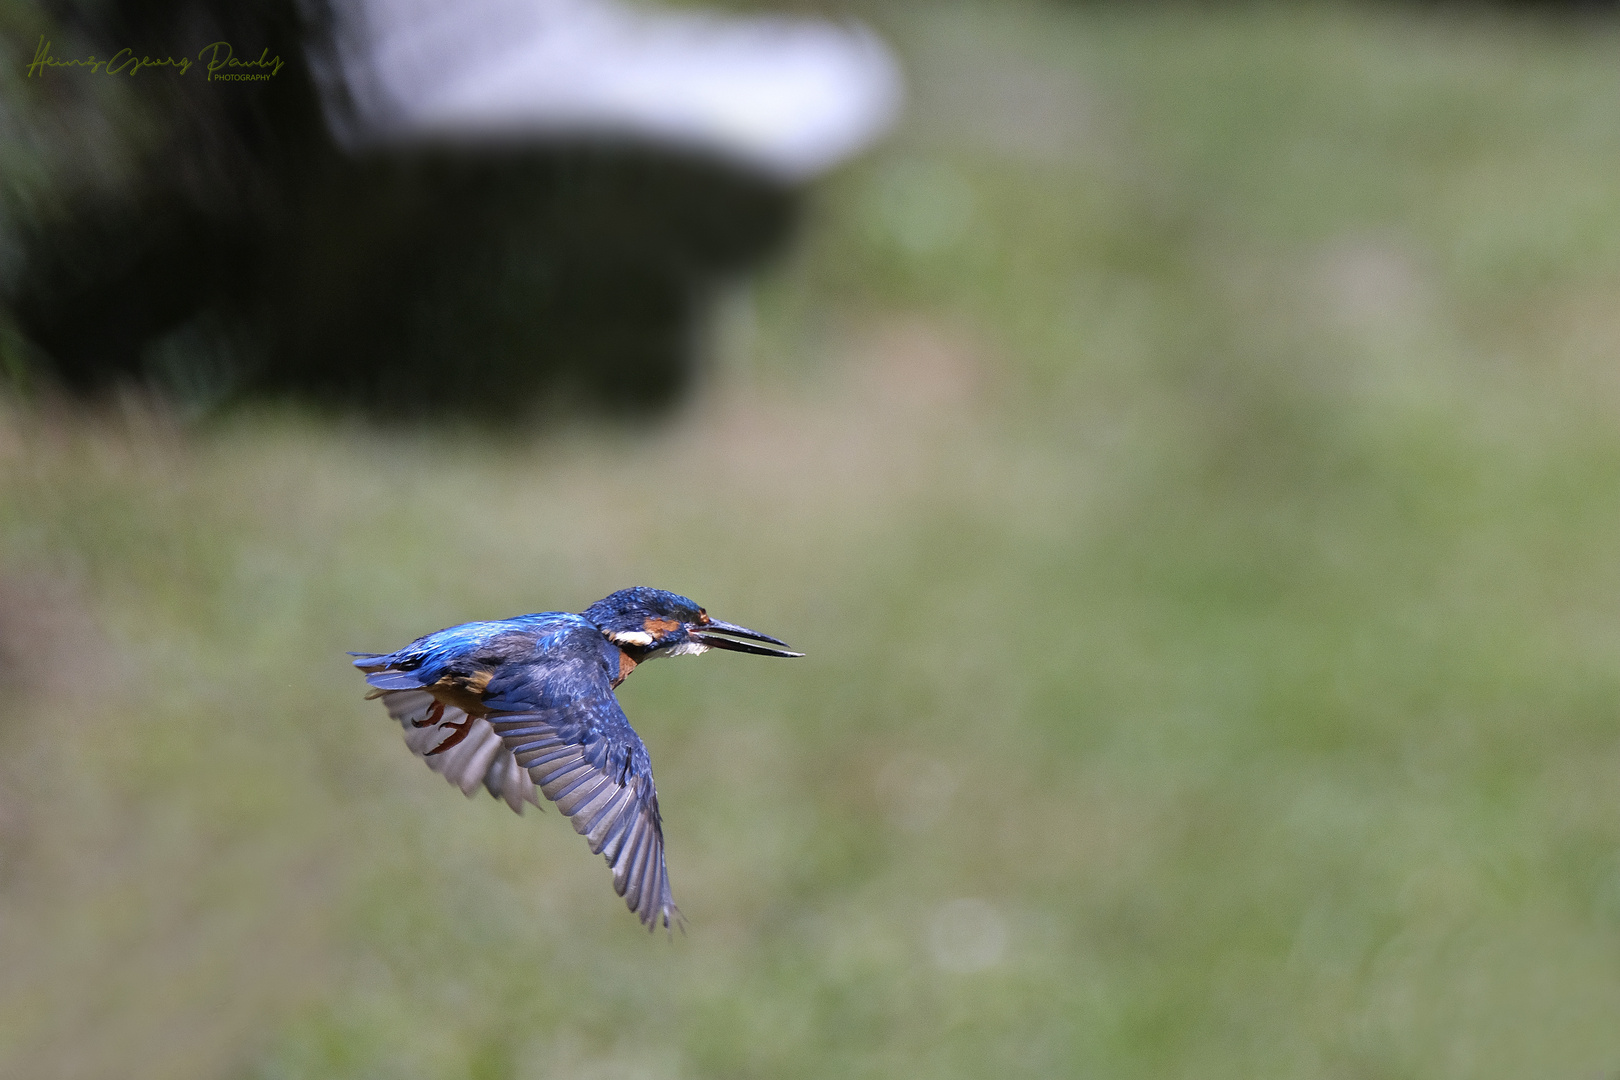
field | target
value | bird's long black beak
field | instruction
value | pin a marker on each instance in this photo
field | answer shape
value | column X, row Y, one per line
column 724, row 635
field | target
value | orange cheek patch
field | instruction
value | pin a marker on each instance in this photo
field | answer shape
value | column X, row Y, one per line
column 659, row 627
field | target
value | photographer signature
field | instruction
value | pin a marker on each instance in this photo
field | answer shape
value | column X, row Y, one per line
column 220, row 64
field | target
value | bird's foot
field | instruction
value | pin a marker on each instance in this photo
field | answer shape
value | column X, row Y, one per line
column 458, row 732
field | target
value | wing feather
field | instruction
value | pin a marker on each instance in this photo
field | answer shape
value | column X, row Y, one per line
column 506, row 781
column 636, row 854
column 649, row 879
column 585, row 803
column 614, row 847
column 602, row 822
column 563, row 775
column 593, row 787
column 481, row 758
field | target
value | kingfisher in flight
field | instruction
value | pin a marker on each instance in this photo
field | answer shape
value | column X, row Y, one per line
column 526, row 704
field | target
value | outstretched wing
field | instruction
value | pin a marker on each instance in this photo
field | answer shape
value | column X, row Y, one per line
column 477, row 757
column 560, row 722
column 553, row 723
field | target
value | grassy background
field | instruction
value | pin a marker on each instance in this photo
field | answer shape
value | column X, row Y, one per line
column 1188, row 453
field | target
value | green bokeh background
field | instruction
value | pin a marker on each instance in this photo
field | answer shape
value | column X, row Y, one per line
column 1189, row 453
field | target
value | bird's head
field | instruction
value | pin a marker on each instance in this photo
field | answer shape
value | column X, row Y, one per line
column 651, row 622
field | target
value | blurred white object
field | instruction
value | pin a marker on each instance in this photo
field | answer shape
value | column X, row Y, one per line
column 789, row 96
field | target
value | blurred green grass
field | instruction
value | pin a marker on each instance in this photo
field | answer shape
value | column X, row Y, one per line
column 1189, row 455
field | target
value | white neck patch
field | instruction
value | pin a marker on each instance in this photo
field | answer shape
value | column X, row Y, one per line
column 686, row 648
column 631, row 637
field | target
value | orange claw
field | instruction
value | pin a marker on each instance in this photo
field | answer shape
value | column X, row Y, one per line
column 460, row 730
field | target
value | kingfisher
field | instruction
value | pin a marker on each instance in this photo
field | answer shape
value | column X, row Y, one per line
column 526, row 704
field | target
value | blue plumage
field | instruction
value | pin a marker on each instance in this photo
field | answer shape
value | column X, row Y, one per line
column 526, row 704
column 431, row 654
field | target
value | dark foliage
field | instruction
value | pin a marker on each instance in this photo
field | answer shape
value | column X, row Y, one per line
column 252, row 255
